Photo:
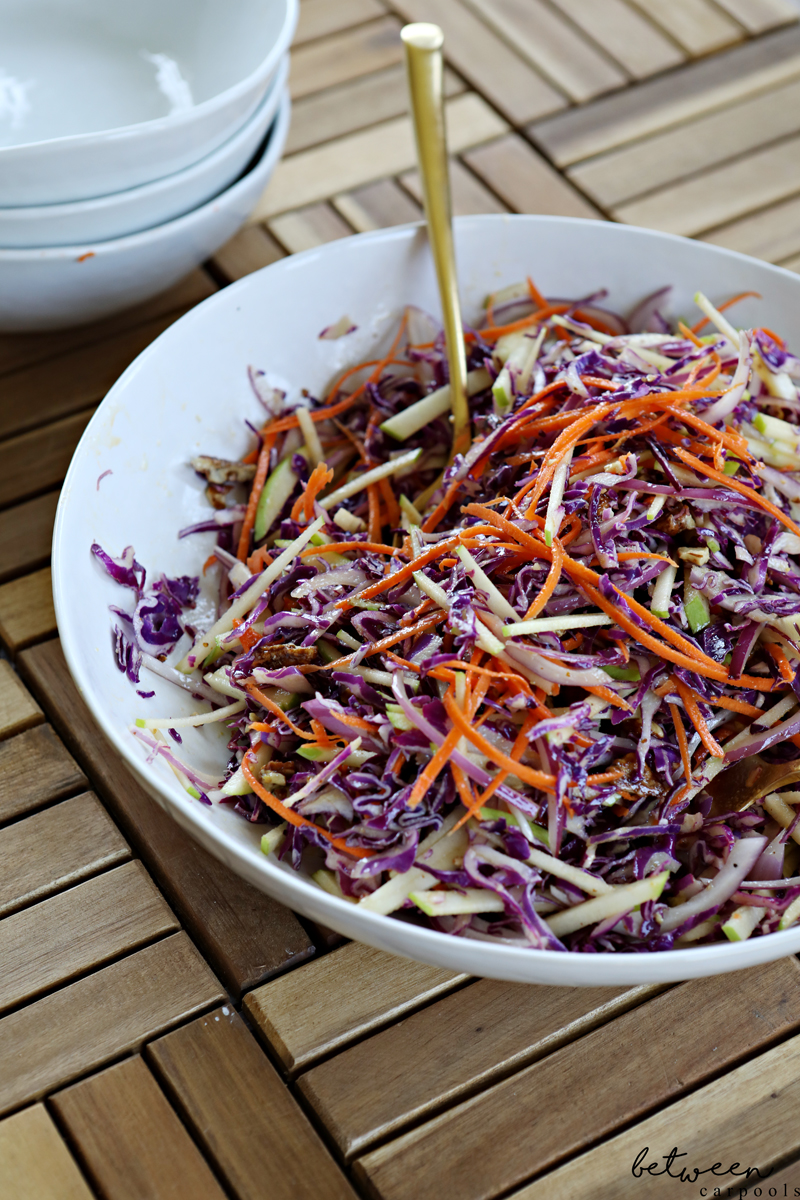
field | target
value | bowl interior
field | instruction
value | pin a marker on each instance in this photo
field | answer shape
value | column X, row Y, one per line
column 189, row 393
column 80, row 66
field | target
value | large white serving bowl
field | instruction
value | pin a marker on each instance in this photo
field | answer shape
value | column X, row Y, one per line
column 59, row 286
column 124, row 213
column 97, row 96
column 188, row 393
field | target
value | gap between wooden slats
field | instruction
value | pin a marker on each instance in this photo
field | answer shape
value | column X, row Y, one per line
column 345, row 56
column 607, row 1079
column 626, row 35
column 377, row 206
column 450, row 1050
column 469, row 194
column 773, row 233
column 18, row 709
column 759, row 15
column 308, row 227
column 36, row 1164
column 129, row 1138
column 522, row 178
column 321, row 18
column 697, row 25
column 343, row 996
column 35, row 769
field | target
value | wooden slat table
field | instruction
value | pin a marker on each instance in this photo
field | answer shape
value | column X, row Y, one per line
column 167, row 1031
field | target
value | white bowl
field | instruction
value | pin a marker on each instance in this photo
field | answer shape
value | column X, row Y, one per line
column 188, row 393
column 97, row 96
column 123, row 213
column 59, row 286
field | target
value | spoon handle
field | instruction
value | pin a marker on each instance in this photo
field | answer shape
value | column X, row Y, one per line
column 423, row 47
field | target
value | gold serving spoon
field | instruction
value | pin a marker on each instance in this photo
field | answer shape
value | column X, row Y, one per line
column 423, row 46
column 748, row 780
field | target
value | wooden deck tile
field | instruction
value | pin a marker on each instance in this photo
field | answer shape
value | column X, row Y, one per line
column 53, row 849
column 697, row 25
column 626, row 35
column 131, row 1142
column 320, row 18
column 759, row 15
column 36, row 1164
column 308, row 227
column 36, row 768
column 471, row 1039
column 486, row 61
column 18, row 709
column 250, row 250
column 377, row 206
column 524, row 180
column 322, row 116
column 792, row 264
column 746, row 1119
column 246, row 936
column 552, row 45
column 103, row 1016
column 695, row 205
column 26, row 610
column 360, row 158
column 345, row 55
column 468, row 194
column 773, row 234
column 26, row 535
column 37, row 461
column 679, row 96
column 77, row 930
column 344, row 995
column 242, row 1112
column 612, row 1076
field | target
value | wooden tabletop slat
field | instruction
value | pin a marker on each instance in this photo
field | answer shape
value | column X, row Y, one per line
column 759, row 15
column 525, row 180
column 553, row 46
column 250, row 250
column 626, row 35
column 387, row 149
column 37, row 461
column 101, row 1017
column 773, row 233
column 486, row 61
column 35, row 768
column 468, row 193
column 611, row 1077
column 458, row 1045
column 26, row 535
column 246, row 936
column 747, row 1118
column 669, row 100
column 243, row 1113
column 308, row 227
column 26, row 610
column 130, row 1140
column 78, row 930
column 666, row 157
column 697, row 25
column 348, row 993
column 35, row 1163
column 18, row 709
column 346, row 55
column 51, row 850
column 377, row 205
column 320, row 18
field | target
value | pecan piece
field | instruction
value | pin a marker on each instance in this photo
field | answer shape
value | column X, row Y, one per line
column 222, row 470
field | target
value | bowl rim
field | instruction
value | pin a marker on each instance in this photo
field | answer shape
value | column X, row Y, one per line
column 288, row 886
column 172, row 121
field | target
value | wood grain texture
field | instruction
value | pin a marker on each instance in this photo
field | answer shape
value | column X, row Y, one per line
column 745, row 1118
column 552, row 45
column 345, row 55
column 79, row 929
column 243, row 1113
column 695, row 205
column 359, row 158
column 660, row 160
column 250, row 250
column 246, row 936
column 449, row 1050
column 37, row 461
column 26, row 534
column 697, row 25
column 680, row 96
column 612, row 1076
column 18, row 709
column 308, row 227
column 486, row 61
column 26, row 610
column 35, row 1164
column 758, row 15
column 524, row 180
column 35, row 768
column 344, row 995
column 107, row 1014
column 625, row 34
column 51, row 850
column 368, row 100
column 320, row 18
column 468, row 193
column 130, row 1140
column 773, row 234
column 377, row 206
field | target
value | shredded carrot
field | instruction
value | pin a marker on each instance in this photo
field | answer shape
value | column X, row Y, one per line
column 435, row 764
column 212, row 558
column 537, row 779
column 319, row 478
column 321, row 733
column 721, row 308
column 258, row 560
column 374, row 523
column 534, row 293
column 393, row 638
column 549, row 586
column 689, row 334
column 741, row 488
column 609, row 695
column 739, row 706
column 259, row 480
column 248, row 637
column 695, row 716
column 391, row 581
column 682, row 742
column 343, row 547
column 778, row 656
column 277, row 711
column 390, row 505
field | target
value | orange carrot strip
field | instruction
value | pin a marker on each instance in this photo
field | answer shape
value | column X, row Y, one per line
column 435, row 764
column 740, row 706
column 258, row 560
column 695, row 716
column 277, row 711
column 608, row 695
column 534, row 293
column 735, row 486
column 689, row 334
column 682, row 742
column 549, row 586
column 389, row 502
column 374, row 516
column 319, row 478
column 781, row 661
column 537, row 779
column 390, row 581
column 393, row 638
column 625, row 555
column 341, row 547
column 259, row 479
column 721, row 308
column 212, row 558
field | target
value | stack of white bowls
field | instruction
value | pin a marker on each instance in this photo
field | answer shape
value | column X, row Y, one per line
column 135, row 139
